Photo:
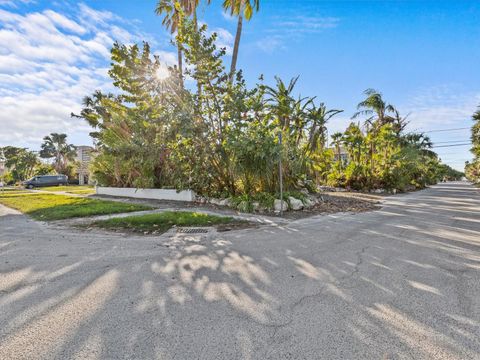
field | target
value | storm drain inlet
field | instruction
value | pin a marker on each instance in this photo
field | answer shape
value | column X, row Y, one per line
column 192, row 230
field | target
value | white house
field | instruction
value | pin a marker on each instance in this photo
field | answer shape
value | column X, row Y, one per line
column 3, row 160
column 84, row 155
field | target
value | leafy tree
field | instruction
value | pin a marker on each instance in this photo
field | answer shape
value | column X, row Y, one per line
column 21, row 163
column 133, row 127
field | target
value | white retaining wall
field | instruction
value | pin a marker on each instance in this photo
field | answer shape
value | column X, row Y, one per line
column 157, row 194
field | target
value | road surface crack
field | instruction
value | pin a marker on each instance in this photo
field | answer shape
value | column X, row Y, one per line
column 356, row 268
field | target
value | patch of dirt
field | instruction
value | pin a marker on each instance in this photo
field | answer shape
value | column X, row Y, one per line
column 237, row 225
column 339, row 202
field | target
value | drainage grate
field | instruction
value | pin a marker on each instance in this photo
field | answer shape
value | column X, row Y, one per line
column 192, row 231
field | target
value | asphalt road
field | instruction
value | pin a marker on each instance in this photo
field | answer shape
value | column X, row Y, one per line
column 402, row 282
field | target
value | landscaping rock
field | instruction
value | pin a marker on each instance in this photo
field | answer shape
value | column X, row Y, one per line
column 295, row 204
column 326, row 188
column 215, row 201
column 201, row 200
column 225, row 202
column 279, row 205
column 309, row 202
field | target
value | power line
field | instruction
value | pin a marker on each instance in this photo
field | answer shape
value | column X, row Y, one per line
column 441, row 146
column 455, row 129
column 451, row 141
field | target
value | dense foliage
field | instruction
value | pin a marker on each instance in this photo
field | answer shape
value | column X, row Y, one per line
column 472, row 169
column 222, row 138
column 197, row 126
column 20, row 164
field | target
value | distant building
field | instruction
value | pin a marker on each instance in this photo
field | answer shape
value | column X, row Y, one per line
column 343, row 154
column 84, row 155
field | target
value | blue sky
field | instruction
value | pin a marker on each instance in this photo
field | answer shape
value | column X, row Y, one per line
column 423, row 56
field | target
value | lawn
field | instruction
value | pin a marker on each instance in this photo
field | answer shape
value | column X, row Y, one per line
column 161, row 222
column 71, row 189
column 43, row 206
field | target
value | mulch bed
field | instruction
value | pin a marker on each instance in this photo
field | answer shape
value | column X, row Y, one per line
column 335, row 203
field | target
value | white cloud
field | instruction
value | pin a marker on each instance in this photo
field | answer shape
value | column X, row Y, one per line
column 271, row 43
column 15, row 3
column 293, row 27
column 170, row 59
column 224, row 39
column 303, row 23
column 64, row 22
column 92, row 18
column 440, row 107
column 229, row 17
column 49, row 61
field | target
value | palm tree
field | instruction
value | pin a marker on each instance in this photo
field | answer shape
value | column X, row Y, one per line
column 400, row 123
column 337, row 139
column 354, row 141
column 318, row 116
column 420, row 142
column 475, row 137
column 173, row 10
column 281, row 102
column 55, row 146
column 172, row 17
column 240, row 8
column 376, row 109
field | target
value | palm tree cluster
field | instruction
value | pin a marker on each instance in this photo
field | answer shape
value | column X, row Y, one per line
column 55, row 147
column 379, row 154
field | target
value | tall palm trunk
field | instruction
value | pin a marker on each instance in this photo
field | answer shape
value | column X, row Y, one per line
column 339, row 156
column 180, row 63
column 199, row 86
column 236, row 45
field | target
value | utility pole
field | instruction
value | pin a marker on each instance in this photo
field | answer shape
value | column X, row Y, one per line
column 280, row 172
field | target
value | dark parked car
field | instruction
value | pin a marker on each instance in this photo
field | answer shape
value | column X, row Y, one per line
column 46, row 180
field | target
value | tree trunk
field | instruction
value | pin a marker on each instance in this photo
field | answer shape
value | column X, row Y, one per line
column 199, row 86
column 180, row 63
column 233, row 66
column 339, row 157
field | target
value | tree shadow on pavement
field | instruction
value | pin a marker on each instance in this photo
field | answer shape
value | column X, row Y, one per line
column 401, row 282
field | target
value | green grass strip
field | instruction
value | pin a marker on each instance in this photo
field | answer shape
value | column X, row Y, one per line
column 72, row 189
column 43, row 206
column 161, row 222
